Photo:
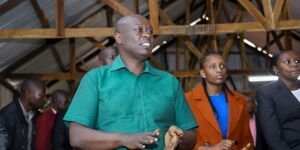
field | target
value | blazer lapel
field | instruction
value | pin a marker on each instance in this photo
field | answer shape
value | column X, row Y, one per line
column 204, row 107
column 282, row 89
column 235, row 111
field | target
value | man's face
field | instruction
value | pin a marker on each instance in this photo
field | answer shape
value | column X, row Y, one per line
column 135, row 38
column 111, row 54
column 37, row 96
column 61, row 101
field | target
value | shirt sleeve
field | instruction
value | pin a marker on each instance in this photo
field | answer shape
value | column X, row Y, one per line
column 84, row 106
column 184, row 117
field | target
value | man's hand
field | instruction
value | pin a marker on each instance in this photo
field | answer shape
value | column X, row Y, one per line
column 140, row 140
column 173, row 137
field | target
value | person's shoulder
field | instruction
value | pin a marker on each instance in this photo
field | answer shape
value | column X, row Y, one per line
column 97, row 72
column 269, row 87
column 9, row 109
column 163, row 73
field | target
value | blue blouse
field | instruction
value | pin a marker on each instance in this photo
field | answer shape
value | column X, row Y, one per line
column 221, row 106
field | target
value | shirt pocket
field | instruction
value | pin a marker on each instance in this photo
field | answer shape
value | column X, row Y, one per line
column 162, row 108
column 117, row 104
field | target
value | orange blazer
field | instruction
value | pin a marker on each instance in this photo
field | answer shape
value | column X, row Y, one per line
column 209, row 132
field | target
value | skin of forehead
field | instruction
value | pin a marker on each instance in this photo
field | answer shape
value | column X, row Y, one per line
column 130, row 20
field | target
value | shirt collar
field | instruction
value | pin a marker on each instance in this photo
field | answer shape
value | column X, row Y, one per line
column 28, row 115
column 119, row 64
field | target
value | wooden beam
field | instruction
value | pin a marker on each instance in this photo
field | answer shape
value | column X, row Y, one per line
column 44, row 76
column 8, row 85
column 40, row 14
column 277, row 10
column 211, row 15
column 78, row 75
column 52, row 33
column 223, row 28
column 287, row 34
column 72, row 56
column 153, row 11
column 115, row 5
column 109, row 16
column 8, row 5
column 255, row 13
column 96, row 43
column 186, row 42
column 27, row 57
column 277, row 39
column 268, row 11
column 187, row 11
column 60, row 23
column 45, row 24
column 136, row 6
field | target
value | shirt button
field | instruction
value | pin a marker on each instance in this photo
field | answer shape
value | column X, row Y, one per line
column 141, row 113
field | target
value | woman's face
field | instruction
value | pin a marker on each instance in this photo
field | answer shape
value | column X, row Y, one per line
column 214, row 69
column 288, row 66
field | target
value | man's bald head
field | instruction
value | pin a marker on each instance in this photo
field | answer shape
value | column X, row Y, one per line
column 126, row 20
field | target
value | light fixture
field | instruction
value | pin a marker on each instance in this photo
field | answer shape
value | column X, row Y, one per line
column 263, row 78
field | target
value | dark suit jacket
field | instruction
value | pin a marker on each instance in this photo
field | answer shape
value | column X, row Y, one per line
column 60, row 133
column 14, row 128
column 278, row 116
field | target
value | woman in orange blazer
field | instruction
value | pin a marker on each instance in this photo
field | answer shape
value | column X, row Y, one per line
column 221, row 113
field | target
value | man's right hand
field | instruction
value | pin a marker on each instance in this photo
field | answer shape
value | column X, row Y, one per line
column 140, row 140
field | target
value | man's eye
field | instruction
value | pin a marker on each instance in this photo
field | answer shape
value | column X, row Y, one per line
column 297, row 61
column 139, row 30
column 150, row 31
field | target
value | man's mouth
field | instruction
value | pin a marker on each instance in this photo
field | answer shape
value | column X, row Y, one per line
column 147, row 44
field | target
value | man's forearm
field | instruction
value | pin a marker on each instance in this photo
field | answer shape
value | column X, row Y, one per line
column 86, row 138
column 188, row 140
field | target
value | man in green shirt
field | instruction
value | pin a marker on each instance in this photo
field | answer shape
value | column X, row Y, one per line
column 129, row 104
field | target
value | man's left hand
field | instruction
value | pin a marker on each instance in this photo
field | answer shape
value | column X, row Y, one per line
column 173, row 138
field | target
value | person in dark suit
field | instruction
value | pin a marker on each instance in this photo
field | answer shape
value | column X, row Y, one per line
column 278, row 112
column 18, row 118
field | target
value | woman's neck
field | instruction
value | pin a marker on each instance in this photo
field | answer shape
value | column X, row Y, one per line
column 291, row 84
column 214, row 89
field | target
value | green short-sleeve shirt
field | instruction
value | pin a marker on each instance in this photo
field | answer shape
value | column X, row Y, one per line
column 113, row 99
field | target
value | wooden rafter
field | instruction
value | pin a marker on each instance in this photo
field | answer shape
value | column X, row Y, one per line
column 45, row 24
column 78, row 75
column 8, row 5
column 223, row 28
column 118, row 7
column 277, row 10
column 153, row 11
column 255, row 13
column 8, row 85
column 60, row 23
column 268, row 12
column 136, row 6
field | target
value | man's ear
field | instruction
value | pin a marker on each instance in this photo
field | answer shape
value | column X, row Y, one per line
column 117, row 38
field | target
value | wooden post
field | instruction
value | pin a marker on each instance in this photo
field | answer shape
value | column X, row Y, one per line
column 153, row 11
column 60, row 24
